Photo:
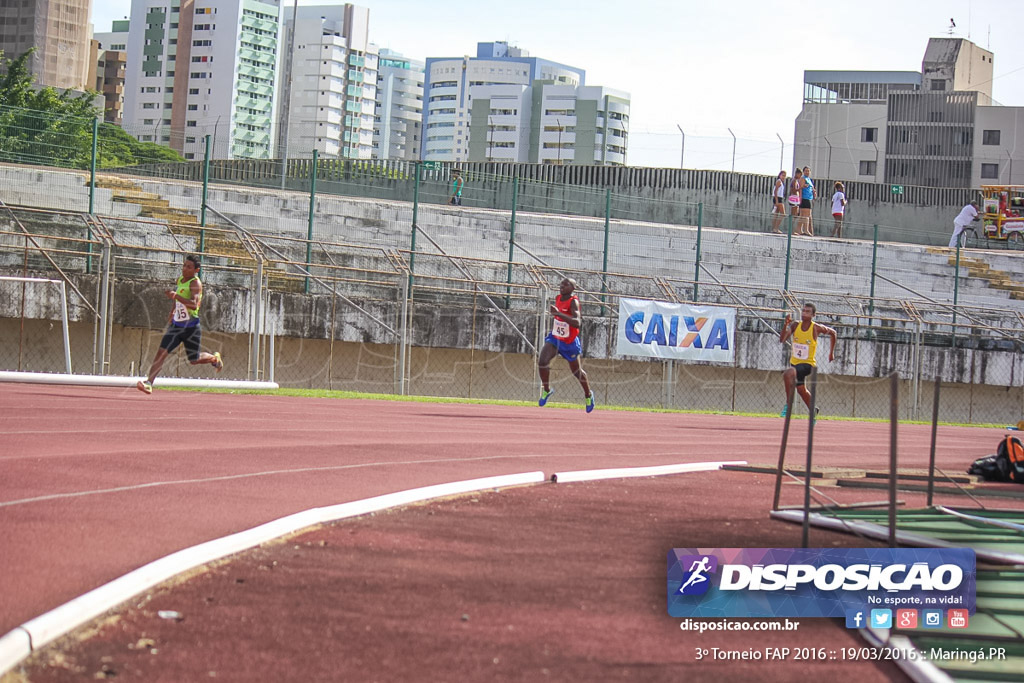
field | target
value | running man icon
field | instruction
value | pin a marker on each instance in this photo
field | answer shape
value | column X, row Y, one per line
column 697, row 570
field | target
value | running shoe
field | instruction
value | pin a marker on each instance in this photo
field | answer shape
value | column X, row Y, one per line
column 218, row 364
column 144, row 387
column 545, row 394
column 814, row 419
column 783, row 413
column 590, row 403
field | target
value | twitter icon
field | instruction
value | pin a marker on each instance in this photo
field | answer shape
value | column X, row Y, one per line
column 881, row 618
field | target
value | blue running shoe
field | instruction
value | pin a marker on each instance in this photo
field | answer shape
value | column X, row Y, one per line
column 545, row 394
column 590, row 403
column 783, row 413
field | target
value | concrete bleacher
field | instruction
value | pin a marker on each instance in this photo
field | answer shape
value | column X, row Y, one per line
column 818, row 265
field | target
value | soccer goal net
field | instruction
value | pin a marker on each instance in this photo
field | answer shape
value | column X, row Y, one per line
column 34, row 325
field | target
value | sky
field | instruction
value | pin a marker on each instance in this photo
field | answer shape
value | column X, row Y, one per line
column 706, row 67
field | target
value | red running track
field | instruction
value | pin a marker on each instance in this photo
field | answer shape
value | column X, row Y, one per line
column 97, row 482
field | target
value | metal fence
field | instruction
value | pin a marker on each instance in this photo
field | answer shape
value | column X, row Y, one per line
column 428, row 319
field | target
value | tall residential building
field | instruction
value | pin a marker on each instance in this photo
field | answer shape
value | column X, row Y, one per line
column 936, row 128
column 549, row 123
column 329, row 83
column 450, row 83
column 399, row 108
column 203, row 67
column 110, row 70
column 59, row 30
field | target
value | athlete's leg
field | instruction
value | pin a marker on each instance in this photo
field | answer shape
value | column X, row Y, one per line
column 789, row 380
column 577, row 371
column 547, row 352
column 805, row 395
column 158, row 362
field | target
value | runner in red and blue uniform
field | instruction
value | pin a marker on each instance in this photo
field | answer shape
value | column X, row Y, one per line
column 564, row 340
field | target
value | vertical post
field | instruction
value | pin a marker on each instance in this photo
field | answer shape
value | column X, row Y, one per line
column 511, row 241
column 696, row 261
column 935, row 429
column 607, row 231
column 92, row 166
column 894, row 410
column 64, row 326
column 254, row 342
column 403, row 333
column 271, row 359
column 810, row 451
column 956, row 288
column 782, row 447
column 670, row 375
column 789, row 250
column 312, row 215
column 415, row 213
column 104, row 298
column 206, row 181
column 874, row 269
column 88, row 249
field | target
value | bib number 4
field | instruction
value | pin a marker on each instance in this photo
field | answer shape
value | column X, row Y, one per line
column 801, row 351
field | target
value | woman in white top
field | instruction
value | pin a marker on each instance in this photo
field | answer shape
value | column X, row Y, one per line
column 779, row 201
column 838, row 209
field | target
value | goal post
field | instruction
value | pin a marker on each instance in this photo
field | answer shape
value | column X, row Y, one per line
column 38, row 307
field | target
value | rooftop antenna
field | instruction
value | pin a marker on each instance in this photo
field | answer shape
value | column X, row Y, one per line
column 952, row 25
column 988, row 40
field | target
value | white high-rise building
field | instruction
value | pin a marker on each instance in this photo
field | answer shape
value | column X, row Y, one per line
column 450, row 84
column 330, row 83
column 203, row 67
column 399, row 109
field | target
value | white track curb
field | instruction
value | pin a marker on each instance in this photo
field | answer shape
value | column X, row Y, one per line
column 36, row 633
column 116, row 381
column 626, row 472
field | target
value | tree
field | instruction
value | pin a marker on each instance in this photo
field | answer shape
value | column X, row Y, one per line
column 43, row 126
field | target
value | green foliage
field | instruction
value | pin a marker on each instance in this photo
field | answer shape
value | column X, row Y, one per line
column 43, row 126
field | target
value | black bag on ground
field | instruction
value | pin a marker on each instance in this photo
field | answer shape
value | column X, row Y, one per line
column 1006, row 465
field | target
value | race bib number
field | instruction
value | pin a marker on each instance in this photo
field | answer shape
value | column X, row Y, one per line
column 801, row 351
column 180, row 312
column 560, row 329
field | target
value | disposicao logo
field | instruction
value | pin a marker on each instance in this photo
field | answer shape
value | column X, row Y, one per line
column 822, row 582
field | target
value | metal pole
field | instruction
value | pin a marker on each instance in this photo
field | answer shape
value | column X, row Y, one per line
column 415, row 212
column 789, row 249
column 92, row 166
column 104, row 297
column 894, row 408
column 810, row 451
column 682, row 148
column 64, row 326
column 782, row 447
column 607, row 232
column 272, row 359
column 696, row 265
column 206, row 181
column 312, row 214
column 782, row 149
column 669, row 380
column 254, row 342
column 956, row 288
column 511, row 241
column 935, row 429
column 733, row 149
column 403, row 335
column 828, row 170
column 874, row 270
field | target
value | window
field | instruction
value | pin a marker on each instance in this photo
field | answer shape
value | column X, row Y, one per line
column 149, row 105
column 191, row 124
column 867, row 168
column 147, row 122
column 869, row 135
column 990, row 137
column 938, row 84
column 193, row 91
column 190, row 140
column 193, row 107
column 990, row 171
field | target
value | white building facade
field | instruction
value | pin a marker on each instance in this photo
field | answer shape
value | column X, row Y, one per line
column 330, row 84
column 398, row 114
column 203, row 67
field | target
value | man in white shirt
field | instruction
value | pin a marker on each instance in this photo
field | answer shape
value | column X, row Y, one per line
column 967, row 215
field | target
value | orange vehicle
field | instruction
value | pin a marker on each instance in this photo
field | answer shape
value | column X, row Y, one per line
column 1003, row 215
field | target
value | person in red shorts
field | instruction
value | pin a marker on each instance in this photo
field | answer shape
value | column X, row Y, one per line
column 564, row 340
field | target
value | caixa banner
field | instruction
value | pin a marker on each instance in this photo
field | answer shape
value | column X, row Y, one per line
column 664, row 330
column 817, row 582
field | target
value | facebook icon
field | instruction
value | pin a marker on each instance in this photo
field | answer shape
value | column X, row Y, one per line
column 855, row 618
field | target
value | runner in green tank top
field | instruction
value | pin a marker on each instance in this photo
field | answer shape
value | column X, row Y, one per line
column 183, row 324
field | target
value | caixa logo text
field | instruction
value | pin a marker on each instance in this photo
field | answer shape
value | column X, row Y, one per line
column 831, row 577
column 682, row 331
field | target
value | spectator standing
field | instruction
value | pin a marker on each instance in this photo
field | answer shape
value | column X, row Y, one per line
column 967, row 215
column 807, row 194
column 779, row 201
column 838, row 209
column 455, row 197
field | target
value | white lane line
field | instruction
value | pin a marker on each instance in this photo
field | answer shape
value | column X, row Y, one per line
column 630, row 472
column 297, row 470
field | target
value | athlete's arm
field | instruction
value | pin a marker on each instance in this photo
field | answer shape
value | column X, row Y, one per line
column 828, row 331
column 574, row 318
column 195, row 289
column 787, row 329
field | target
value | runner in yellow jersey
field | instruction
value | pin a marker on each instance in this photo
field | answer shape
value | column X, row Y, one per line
column 805, row 347
column 183, row 324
